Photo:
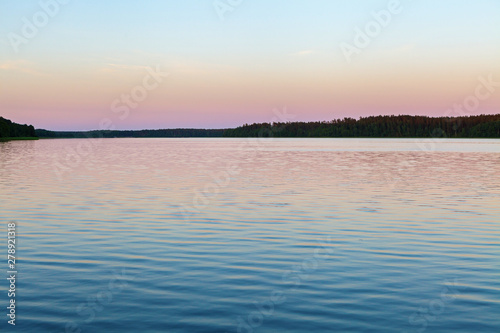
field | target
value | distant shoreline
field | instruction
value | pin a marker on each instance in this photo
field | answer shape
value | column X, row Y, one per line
column 397, row 127
column 297, row 137
column 394, row 127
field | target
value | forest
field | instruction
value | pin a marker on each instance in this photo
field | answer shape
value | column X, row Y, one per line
column 481, row 126
column 161, row 133
column 10, row 130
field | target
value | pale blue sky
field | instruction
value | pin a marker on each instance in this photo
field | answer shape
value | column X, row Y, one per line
column 192, row 27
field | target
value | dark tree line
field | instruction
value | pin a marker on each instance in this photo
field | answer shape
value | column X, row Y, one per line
column 162, row 133
column 481, row 126
column 8, row 129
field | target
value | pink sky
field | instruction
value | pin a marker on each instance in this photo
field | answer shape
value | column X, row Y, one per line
column 224, row 73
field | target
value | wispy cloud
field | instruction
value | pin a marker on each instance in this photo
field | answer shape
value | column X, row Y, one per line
column 111, row 67
column 303, row 53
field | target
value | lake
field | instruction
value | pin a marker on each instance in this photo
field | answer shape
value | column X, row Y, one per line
column 249, row 235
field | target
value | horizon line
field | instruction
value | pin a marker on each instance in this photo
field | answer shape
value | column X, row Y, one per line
column 272, row 122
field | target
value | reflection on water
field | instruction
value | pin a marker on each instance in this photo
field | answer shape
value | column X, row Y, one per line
column 237, row 235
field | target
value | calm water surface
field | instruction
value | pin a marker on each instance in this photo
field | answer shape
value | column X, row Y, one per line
column 238, row 235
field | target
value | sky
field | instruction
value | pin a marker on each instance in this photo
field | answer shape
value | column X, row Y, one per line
column 89, row 64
